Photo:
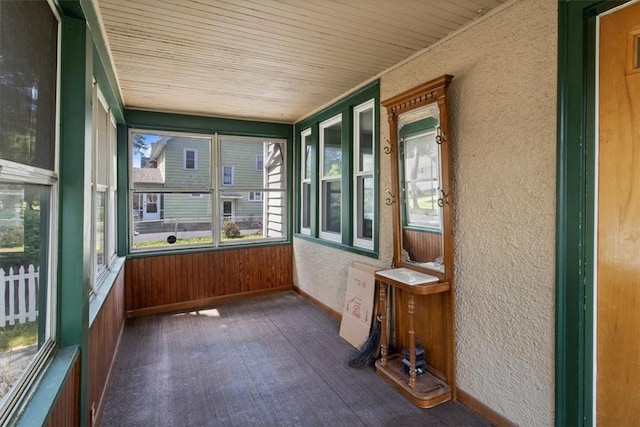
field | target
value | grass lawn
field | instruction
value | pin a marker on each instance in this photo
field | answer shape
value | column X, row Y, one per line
column 21, row 335
column 194, row 240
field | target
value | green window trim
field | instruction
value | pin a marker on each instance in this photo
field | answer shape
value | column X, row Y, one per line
column 343, row 108
column 575, row 209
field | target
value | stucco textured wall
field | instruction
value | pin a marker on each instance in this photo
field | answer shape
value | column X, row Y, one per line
column 503, row 117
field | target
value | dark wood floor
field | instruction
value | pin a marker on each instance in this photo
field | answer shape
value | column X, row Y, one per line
column 269, row 361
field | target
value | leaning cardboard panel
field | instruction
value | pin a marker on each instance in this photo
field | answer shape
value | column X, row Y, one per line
column 357, row 312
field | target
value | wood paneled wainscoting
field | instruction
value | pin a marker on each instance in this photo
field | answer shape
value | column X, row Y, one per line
column 104, row 337
column 65, row 412
column 422, row 246
column 163, row 283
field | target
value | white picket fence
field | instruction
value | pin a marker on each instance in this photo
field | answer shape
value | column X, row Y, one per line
column 18, row 291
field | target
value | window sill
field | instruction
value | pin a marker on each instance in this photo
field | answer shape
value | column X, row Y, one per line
column 104, row 287
column 191, row 250
column 46, row 392
column 354, row 249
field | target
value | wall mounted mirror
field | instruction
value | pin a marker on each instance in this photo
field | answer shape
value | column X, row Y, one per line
column 421, row 194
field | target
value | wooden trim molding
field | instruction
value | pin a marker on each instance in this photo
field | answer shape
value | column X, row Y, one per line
column 330, row 311
column 205, row 302
column 487, row 413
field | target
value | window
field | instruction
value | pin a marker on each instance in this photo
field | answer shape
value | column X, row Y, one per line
column 227, row 175
column 337, row 167
column 28, row 193
column 226, row 201
column 364, row 161
column 305, row 182
column 331, row 178
column 255, row 196
column 259, row 162
column 104, row 188
column 190, row 159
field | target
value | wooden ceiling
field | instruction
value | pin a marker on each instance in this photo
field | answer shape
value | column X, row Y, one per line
column 272, row 60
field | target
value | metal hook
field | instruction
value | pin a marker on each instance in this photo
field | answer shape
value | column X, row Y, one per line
column 391, row 199
column 440, row 136
column 444, row 198
column 388, row 148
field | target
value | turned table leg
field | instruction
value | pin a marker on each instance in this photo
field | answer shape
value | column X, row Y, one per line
column 411, row 305
column 383, row 324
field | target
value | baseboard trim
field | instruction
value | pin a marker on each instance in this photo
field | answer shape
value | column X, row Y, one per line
column 331, row 312
column 201, row 303
column 487, row 413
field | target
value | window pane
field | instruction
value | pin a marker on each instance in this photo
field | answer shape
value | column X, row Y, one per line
column 332, row 149
column 100, row 230
column 101, row 145
column 422, row 180
column 306, row 152
column 190, row 159
column 331, row 201
column 241, row 222
column 243, row 162
column 306, row 214
column 24, row 243
column 365, row 138
column 158, row 216
column 365, row 207
column 28, row 55
column 158, row 161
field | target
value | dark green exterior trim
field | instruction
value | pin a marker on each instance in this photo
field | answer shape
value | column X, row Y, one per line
column 344, row 107
column 200, row 124
column 112, row 97
column 575, row 209
column 75, row 193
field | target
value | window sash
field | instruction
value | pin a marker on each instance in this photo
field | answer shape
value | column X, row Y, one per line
column 305, row 182
column 231, row 185
column 363, row 162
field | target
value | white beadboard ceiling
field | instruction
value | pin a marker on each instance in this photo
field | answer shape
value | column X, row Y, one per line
column 272, row 60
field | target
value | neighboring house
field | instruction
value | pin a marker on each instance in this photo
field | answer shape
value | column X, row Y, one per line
column 180, row 163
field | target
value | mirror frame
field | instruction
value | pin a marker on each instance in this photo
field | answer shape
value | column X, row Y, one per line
column 421, row 96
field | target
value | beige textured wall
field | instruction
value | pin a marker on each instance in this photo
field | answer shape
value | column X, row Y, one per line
column 503, row 116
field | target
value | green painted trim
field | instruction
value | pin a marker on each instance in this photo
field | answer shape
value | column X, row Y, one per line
column 122, row 194
column 41, row 405
column 107, row 87
column 346, row 220
column 362, row 95
column 103, row 68
column 208, row 125
column 344, row 107
column 75, row 262
column 192, row 250
column 575, row 209
column 336, row 245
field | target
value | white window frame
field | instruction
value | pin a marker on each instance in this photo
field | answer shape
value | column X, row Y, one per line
column 304, row 180
column 109, row 191
column 328, row 235
column 195, row 159
column 255, row 196
column 359, row 175
column 222, row 168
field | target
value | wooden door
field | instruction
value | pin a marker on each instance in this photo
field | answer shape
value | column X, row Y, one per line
column 618, row 221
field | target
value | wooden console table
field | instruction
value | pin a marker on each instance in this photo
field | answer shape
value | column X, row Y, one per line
column 425, row 390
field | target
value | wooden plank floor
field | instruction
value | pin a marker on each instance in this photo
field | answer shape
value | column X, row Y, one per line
column 268, row 361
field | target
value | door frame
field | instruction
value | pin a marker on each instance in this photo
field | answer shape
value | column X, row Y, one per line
column 145, row 213
column 575, row 207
